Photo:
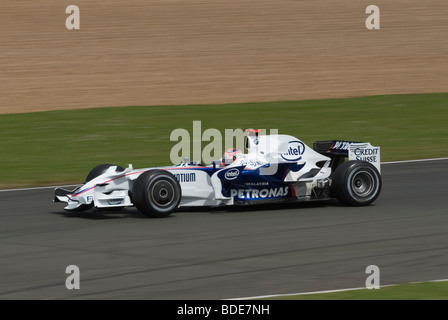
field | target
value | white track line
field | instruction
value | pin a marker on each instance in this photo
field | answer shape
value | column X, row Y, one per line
column 411, row 161
column 329, row 291
column 76, row 185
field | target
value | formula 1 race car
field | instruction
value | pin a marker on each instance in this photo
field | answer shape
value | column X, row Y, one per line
column 275, row 168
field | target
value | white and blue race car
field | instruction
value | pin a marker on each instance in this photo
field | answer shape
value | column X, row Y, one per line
column 276, row 168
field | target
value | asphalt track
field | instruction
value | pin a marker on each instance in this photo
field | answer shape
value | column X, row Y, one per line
column 218, row 254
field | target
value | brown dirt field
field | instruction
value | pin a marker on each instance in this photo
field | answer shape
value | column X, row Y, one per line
column 158, row 52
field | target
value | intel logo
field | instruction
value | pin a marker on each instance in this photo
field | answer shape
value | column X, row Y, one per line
column 294, row 152
column 232, row 174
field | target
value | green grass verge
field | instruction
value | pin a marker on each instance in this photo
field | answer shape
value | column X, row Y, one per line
column 55, row 147
column 417, row 291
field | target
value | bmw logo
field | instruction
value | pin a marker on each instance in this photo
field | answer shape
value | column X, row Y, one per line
column 256, row 141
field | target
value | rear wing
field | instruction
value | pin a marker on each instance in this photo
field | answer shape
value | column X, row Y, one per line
column 362, row 151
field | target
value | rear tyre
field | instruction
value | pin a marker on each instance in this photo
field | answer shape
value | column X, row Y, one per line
column 356, row 183
column 99, row 170
column 156, row 193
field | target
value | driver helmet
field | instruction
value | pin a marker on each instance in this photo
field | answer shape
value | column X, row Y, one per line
column 230, row 156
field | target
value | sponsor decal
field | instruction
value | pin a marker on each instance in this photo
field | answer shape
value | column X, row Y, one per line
column 89, row 199
column 232, row 174
column 251, row 164
column 254, row 194
column 185, row 177
column 262, row 183
column 365, row 152
column 294, row 152
column 341, row 145
column 369, row 155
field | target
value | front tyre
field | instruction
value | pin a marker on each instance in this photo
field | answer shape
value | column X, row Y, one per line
column 156, row 193
column 356, row 183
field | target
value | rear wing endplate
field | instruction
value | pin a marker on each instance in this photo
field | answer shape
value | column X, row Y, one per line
column 362, row 151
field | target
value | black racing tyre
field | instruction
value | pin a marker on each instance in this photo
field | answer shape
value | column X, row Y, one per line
column 356, row 183
column 99, row 170
column 156, row 193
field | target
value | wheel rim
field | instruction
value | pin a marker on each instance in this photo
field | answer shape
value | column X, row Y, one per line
column 363, row 184
column 162, row 193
